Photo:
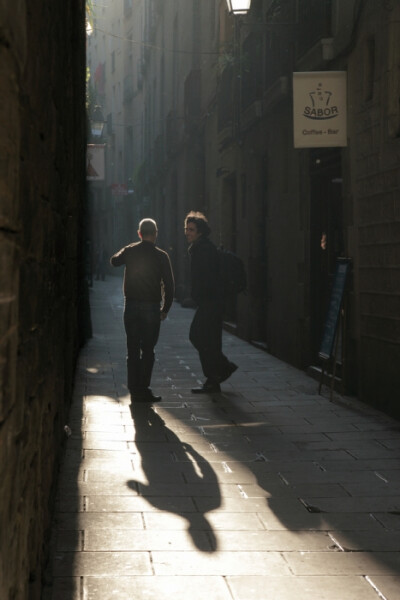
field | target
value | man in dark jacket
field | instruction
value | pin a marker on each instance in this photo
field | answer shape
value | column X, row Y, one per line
column 206, row 328
column 149, row 291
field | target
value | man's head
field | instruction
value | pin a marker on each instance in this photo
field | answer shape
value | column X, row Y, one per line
column 148, row 230
column 196, row 226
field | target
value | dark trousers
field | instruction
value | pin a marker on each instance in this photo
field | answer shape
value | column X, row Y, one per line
column 142, row 326
column 206, row 336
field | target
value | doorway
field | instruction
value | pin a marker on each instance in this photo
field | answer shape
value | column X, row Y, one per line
column 326, row 234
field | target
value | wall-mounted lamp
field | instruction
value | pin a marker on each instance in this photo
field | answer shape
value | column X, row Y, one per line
column 97, row 122
column 238, row 7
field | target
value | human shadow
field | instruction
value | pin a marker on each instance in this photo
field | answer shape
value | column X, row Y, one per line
column 184, row 469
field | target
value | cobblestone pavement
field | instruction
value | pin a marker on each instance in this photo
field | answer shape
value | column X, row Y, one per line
column 267, row 491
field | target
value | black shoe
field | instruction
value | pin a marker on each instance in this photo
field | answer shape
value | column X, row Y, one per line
column 148, row 396
column 231, row 368
column 207, row 388
column 144, row 395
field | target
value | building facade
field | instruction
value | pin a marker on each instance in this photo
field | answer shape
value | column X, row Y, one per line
column 43, row 297
column 207, row 115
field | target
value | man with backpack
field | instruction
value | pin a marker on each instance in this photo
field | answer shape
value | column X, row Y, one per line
column 206, row 291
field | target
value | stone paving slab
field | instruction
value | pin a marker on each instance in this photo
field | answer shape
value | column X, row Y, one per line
column 389, row 521
column 142, row 588
column 274, row 541
column 138, row 504
column 105, row 427
column 390, row 475
column 190, row 489
column 213, row 521
column 356, row 504
column 361, row 465
column 301, row 588
column 321, row 522
column 366, row 477
column 219, row 563
column 318, row 490
column 143, row 540
column 379, row 488
column 265, row 491
column 388, row 585
column 344, row 563
column 84, row 521
column 369, row 541
column 109, row 563
column 117, row 487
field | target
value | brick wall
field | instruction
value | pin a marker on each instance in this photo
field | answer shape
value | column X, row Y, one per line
column 42, row 188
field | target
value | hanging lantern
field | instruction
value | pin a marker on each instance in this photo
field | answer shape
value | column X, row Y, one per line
column 238, row 7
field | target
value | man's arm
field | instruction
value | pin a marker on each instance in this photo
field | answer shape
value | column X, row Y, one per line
column 118, row 259
column 168, row 284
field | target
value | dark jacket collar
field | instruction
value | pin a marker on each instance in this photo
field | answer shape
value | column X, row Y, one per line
column 203, row 239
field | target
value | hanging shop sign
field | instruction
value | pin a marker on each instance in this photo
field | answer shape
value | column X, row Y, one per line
column 95, row 162
column 320, row 109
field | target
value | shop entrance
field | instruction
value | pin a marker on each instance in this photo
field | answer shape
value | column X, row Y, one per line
column 326, row 234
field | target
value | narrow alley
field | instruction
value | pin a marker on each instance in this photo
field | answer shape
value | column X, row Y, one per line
column 267, row 491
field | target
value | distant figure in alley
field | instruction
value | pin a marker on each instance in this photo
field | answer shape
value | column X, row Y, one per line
column 149, row 291
column 206, row 328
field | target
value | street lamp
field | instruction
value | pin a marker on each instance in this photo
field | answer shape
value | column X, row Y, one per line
column 238, row 7
column 97, row 123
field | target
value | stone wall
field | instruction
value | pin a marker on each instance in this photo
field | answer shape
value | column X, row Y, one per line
column 375, row 144
column 42, row 197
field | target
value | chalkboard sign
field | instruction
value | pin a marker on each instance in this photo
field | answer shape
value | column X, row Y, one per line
column 339, row 282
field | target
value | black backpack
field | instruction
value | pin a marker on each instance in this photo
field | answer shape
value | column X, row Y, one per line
column 232, row 273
